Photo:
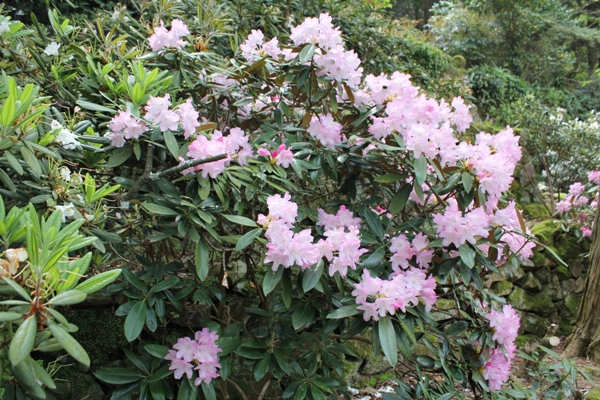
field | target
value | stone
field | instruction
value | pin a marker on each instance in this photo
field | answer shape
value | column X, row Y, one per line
column 535, row 211
column 539, row 303
column 529, row 282
column 502, row 288
column 561, row 272
column 538, row 258
column 533, row 324
column 445, row 304
column 544, row 231
column 568, row 286
column 579, row 284
column 577, row 269
column 543, row 274
column 572, row 301
column 553, row 289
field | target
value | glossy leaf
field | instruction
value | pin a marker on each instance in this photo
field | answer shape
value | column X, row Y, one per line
column 69, row 343
column 134, row 323
column 23, row 340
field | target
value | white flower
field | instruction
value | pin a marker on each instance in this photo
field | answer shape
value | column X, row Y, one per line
column 131, row 79
column 65, row 174
column 52, row 49
column 68, row 211
column 65, row 136
column 4, row 26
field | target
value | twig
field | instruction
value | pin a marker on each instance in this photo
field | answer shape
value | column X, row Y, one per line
column 264, row 390
column 148, row 175
column 237, row 388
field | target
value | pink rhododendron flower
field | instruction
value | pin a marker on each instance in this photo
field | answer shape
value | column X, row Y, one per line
column 340, row 65
column 200, row 354
column 506, row 325
column 319, row 31
column 461, row 118
column 594, row 177
column 455, row 228
column 188, row 116
column 254, row 48
column 326, row 130
column 343, row 218
column 576, row 189
column 125, row 126
column 497, row 369
column 587, row 232
column 168, row 38
column 157, row 111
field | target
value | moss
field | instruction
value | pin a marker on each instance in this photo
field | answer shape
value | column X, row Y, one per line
column 568, row 248
column 565, row 328
column 523, row 340
column 538, row 259
column 545, row 231
column 445, row 304
column 562, row 272
column 594, row 394
column 572, row 302
column 539, row 302
column 100, row 333
column 535, row 211
column 374, row 380
column 502, row 288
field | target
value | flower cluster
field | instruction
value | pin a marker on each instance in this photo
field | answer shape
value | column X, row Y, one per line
column 200, row 354
column 64, row 136
column 169, row 38
column 326, row 130
column 377, row 297
column 254, row 47
column 235, row 144
column 505, row 326
column 283, row 156
column 577, row 208
column 125, row 126
column 404, row 251
column 319, row 31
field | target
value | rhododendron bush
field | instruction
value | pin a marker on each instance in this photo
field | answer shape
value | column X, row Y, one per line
column 350, row 203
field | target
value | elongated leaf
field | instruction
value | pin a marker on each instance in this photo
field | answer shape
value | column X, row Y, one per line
column 134, row 323
column 39, row 372
column 302, row 315
column 158, row 209
column 456, row 328
column 311, row 276
column 261, row 367
column 467, row 255
column 94, row 107
column 209, row 391
column 17, row 288
column 118, row 376
column 271, row 280
column 307, row 53
column 171, row 143
column 99, row 281
column 387, row 178
column 237, row 219
column 23, row 340
column 202, row 259
column 67, row 298
column 400, row 198
column 9, row 316
column 68, row 343
column 387, row 338
column 420, row 169
column 247, row 239
column 31, row 161
column 343, row 312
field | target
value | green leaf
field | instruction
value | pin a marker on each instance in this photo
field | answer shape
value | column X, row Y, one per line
column 467, row 255
column 456, row 328
column 8, row 316
column 247, row 239
column 99, row 281
column 261, row 367
column 467, row 181
column 387, row 338
column 187, row 390
column 160, row 210
column 237, row 219
column 134, row 323
column 69, row 343
column 374, row 222
column 343, row 312
column 387, row 178
column 374, row 259
column 13, row 162
column 94, row 107
column 31, row 161
column 23, row 340
column 227, row 345
column 8, row 111
column 17, row 288
column 164, row 285
column 209, row 391
column 281, row 361
column 171, row 143
column 202, row 259
column 68, row 298
column 120, row 156
column 118, row 376
column 302, row 315
column 307, row 53
column 271, row 280
column 311, row 277
column 400, row 198
column 157, row 350
column 420, row 166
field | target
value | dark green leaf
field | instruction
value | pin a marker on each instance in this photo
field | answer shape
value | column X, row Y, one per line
column 387, row 338
column 272, row 279
column 247, row 239
column 343, row 312
column 134, row 323
column 23, row 340
column 118, row 376
column 311, row 276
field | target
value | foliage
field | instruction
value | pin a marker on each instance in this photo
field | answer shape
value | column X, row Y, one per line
column 494, row 87
column 197, row 156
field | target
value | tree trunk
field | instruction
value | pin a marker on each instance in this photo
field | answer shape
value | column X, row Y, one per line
column 585, row 339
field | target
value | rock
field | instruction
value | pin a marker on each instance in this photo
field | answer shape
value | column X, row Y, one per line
column 562, row 272
column 505, row 273
column 538, row 258
column 445, row 304
column 544, row 231
column 553, row 289
column 572, row 303
column 579, row 284
column 568, row 286
column 502, row 288
column 533, row 324
column 539, row 303
column 535, row 211
column 577, row 269
column 529, row 282
column 543, row 274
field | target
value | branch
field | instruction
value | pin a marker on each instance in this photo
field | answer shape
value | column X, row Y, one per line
column 148, row 175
